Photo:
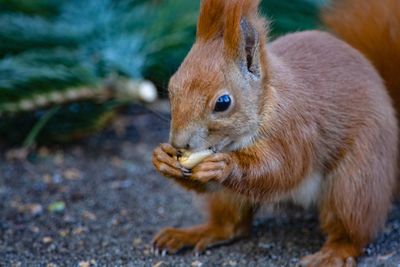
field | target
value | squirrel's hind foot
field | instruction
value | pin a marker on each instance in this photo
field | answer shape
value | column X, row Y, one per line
column 328, row 256
column 172, row 240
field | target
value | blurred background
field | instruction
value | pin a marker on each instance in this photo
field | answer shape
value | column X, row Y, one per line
column 83, row 103
column 67, row 68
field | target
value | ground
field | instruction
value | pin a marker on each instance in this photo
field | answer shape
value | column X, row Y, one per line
column 99, row 202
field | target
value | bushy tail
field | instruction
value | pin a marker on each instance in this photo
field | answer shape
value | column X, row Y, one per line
column 372, row 27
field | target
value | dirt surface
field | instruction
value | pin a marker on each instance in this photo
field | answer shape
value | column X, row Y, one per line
column 99, row 202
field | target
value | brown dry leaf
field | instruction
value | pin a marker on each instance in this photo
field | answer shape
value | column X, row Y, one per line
column 17, row 154
column 116, row 162
column 47, row 178
column 120, row 124
column 87, row 215
column 72, row 174
column 43, row 152
column 32, row 208
column 79, row 230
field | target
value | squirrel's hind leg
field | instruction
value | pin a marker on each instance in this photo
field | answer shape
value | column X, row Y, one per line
column 230, row 217
column 355, row 202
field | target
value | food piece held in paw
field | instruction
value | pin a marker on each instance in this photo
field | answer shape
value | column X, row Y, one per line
column 189, row 160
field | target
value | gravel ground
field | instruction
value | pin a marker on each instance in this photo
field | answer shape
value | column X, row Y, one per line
column 99, row 202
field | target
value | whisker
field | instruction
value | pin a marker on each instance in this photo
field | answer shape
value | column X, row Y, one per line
column 157, row 114
column 168, row 121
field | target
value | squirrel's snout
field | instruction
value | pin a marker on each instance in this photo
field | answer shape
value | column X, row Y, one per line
column 180, row 147
column 189, row 139
column 180, row 140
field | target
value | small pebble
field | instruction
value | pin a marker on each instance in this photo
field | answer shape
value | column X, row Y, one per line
column 386, row 256
column 43, row 152
column 79, row 230
column 63, row 232
column 196, row 264
column 137, row 242
column 87, row 215
column 232, row 263
column 33, row 209
column 265, row 245
column 84, row 264
column 47, row 239
column 159, row 264
column 72, row 174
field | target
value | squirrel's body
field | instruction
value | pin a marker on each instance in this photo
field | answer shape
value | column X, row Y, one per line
column 305, row 118
column 331, row 103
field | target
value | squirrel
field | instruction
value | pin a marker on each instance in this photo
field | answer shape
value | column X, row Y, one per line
column 305, row 118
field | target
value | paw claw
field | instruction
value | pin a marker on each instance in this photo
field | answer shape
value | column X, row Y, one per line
column 350, row 262
column 327, row 258
column 170, row 240
column 164, row 253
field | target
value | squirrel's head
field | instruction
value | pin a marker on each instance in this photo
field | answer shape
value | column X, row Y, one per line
column 216, row 93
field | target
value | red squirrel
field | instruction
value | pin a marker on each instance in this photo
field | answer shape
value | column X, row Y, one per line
column 305, row 118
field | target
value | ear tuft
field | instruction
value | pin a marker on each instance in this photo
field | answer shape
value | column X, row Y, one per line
column 237, row 11
column 242, row 30
column 210, row 21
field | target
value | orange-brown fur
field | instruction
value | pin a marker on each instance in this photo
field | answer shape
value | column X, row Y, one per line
column 310, row 116
column 375, row 31
column 372, row 27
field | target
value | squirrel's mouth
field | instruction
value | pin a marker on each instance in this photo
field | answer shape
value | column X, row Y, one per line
column 223, row 145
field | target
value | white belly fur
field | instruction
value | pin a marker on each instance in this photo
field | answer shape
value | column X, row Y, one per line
column 307, row 194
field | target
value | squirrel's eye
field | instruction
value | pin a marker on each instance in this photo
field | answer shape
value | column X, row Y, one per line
column 223, row 103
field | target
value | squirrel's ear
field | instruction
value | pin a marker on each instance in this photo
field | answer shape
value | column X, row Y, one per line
column 250, row 43
column 210, row 20
column 241, row 35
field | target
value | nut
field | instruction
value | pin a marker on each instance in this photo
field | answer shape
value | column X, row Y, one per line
column 189, row 160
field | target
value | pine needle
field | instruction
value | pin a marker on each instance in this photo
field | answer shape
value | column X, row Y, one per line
column 31, row 138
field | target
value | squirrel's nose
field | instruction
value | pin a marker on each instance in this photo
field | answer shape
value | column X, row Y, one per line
column 181, row 139
column 180, row 145
column 189, row 138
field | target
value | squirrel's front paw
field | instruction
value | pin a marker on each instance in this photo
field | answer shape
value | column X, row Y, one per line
column 165, row 162
column 216, row 167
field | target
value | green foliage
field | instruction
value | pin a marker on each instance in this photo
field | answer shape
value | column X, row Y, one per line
column 170, row 36
column 72, row 121
column 52, row 46
column 36, row 7
column 81, row 44
column 291, row 16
